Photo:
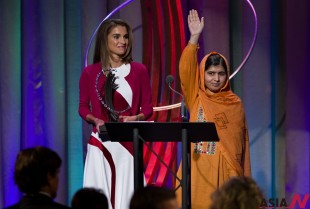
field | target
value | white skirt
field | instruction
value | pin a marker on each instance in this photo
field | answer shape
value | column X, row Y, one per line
column 109, row 167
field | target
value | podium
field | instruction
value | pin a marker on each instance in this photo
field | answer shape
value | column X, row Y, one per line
column 165, row 132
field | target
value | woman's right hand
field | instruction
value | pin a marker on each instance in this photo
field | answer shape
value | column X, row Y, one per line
column 195, row 25
column 98, row 122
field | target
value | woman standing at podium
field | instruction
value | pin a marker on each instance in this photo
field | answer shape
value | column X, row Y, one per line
column 113, row 89
column 209, row 98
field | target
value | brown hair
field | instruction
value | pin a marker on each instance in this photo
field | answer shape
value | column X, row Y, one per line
column 102, row 52
column 237, row 193
column 32, row 167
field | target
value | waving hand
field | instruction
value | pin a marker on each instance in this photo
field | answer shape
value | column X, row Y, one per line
column 195, row 26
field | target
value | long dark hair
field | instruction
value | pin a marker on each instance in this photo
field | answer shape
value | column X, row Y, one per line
column 102, row 52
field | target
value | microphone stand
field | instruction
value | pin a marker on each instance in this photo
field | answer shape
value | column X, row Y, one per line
column 186, row 157
column 183, row 112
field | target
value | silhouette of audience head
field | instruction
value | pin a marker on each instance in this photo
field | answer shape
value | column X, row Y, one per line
column 89, row 198
column 237, row 193
column 37, row 170
column 152, row 197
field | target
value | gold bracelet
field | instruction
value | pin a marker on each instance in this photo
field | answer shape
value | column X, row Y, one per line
column 137, row 118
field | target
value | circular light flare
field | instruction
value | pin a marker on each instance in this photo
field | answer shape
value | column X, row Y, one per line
column 168, row 107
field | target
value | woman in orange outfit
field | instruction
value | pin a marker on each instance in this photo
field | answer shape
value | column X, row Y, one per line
column 209, row 98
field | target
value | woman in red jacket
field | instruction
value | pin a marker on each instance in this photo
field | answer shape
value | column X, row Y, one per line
column 114, row 88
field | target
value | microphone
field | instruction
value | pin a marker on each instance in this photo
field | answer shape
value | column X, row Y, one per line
column 183, row 112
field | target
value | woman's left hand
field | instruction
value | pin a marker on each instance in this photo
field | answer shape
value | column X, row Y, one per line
column 128, row 118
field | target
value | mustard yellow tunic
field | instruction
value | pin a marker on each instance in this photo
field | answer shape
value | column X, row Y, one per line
column 213, row 163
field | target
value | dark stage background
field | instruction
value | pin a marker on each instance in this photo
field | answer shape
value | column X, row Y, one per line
column 42, row 49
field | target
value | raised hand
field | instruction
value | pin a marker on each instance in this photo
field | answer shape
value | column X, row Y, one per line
column 195, row 25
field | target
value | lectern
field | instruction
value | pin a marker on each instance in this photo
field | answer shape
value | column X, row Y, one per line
column 169, row 131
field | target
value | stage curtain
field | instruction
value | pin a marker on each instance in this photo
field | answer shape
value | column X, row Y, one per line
column 42, row 53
